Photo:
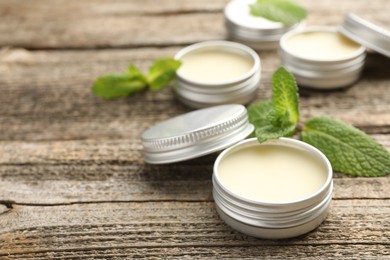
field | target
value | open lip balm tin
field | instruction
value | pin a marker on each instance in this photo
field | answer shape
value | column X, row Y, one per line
column 271, row 207
column 321, row 57
column 217, row 72
column 257, row 32
column 337, row 63
column 213, row 129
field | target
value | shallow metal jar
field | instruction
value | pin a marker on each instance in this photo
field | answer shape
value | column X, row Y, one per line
column 240, row 90
column 273, row 220
column 322, row 73
column 256, row 32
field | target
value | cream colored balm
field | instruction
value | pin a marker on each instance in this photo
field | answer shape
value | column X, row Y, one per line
column 272, row 174
column 214, row 66
column 321, row 45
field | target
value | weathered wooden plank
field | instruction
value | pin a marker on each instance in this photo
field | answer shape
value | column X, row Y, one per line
column 331, row 251
column 74, row 171
column 129, row 181
column 89, row 24
column 88, row 152
column 46, row 95
column 74, row 9
column 179, row 229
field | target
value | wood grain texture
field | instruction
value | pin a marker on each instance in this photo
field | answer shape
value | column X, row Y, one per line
column 185, row 229
column 89, row 24
column 73, row 184
column 87, row 171
column 56, row 102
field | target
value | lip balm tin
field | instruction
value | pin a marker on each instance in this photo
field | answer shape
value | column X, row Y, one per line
column 273, row 220
column 213, row 129
column 322, row 73
column 256, row 32
column 200, row 94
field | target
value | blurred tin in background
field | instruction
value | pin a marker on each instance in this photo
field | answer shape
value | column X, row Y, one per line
column 217, row 72
column 256, row 32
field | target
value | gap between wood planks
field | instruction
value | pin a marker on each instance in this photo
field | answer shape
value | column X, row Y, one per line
column 101, row 47
column 9, row 204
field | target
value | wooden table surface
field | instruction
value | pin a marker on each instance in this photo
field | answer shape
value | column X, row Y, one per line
column 73, row 183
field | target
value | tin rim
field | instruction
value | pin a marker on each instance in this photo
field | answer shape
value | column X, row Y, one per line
column 286, row 222
column 197, row 104
column 267, row 212
column 326, row 83
column 285, row 37
column 325, row 74
column 217, row 90
column 289, row 141
column 217, row 97
column 272, row 233
column 220, row 45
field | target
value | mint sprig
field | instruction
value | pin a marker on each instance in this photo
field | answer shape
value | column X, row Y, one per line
column 277, row 117
column 287, row 12
column 348, row 149
column 115, row 86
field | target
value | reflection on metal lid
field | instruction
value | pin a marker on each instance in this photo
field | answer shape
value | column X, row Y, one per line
column 196, row 134
column 366, row 33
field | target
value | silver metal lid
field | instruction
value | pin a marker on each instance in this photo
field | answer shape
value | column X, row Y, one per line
column 196, row 134
column 366, row 33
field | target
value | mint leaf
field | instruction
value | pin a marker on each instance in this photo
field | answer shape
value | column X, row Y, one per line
column 277, row 117
column 122, row 85
column 162, row 72
column 287, row 12
column 285, row 95
column 348, row 149
column 135, row 73
column 115, row 86
column 268, row 126
column 259, row 114
column 268, row 132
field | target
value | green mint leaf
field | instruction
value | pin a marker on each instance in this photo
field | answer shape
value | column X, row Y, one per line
column 348, row 149
column 135, row 73
column 268, row 126
column 285, row 95
column 259, row 114
column 116, row 86
column 162, row 72
column 287, row 12
column 122, row 85
column 280, row 116
column 268, row 132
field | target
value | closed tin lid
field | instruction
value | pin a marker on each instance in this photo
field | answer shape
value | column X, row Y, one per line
column 366, row 33
column 195, row 134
